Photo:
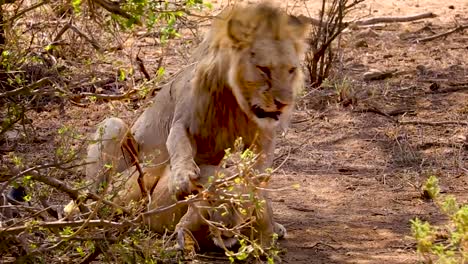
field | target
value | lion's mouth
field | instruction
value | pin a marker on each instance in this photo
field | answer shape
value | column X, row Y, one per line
column 260, row 113
column 224, row 241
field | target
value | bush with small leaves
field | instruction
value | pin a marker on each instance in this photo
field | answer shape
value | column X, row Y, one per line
column 442, row 244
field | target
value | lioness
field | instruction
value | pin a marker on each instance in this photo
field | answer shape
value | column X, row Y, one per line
column 217, row 216
column 243, row 83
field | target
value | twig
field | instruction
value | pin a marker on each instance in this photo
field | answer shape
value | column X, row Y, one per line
column 410, row 122
column 25, row 88
column 320, row 243
column 142, row 67
column 49, row 209
column 451, row 89
column 27, row 9
column 377, row 20
column 100, row 248
column 283, row 162
column 61, row 32
column 374, row 20
column 375, row 110
column 62, row 224
column 441, row 35
column 428, row 123
column 129, row 145
column 115, row 9
column 83, row 35
column 72, row 193
column 169, row 207
column 104, row 96
column 25, row 172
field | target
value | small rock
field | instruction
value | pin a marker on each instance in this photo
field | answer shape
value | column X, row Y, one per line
column 434, row 86
column 461, row 139
column 361, row 44
column 422, row 70
column 451, row 7
column 367, row 33
column 12, row 135
column 374, row 74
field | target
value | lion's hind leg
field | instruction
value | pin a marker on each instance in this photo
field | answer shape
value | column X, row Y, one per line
column 112, row 149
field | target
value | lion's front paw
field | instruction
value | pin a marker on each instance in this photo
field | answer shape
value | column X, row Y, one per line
column 182, row 180
column 186, row 241
column 280, row 230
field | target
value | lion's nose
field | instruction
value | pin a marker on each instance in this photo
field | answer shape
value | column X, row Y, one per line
column 227, row 235
column 279, row 105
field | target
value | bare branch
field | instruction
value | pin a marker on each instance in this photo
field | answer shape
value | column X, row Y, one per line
column 192, row 200
column 142, row 67
column 114, row 8
column 59, row 185
column 72, row 193
column 398, row 19
column 61, row 32
column 105, row 96
column 62, row 224
column 24, row 11
column 26, row 172
column 83, row 35
column 435, row 123
column 441, row 35
column 374, row 20
column 25, row 88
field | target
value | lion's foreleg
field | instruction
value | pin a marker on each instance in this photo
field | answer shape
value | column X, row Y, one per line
column 266, row 227
column 184, row 170
column 266, row 149
column 190, row 222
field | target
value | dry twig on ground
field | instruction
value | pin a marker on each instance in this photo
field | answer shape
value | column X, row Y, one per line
column 393, row 19
column 442, row 35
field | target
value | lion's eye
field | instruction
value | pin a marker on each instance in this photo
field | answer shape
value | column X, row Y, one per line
column 292, row 70
column 265, row 70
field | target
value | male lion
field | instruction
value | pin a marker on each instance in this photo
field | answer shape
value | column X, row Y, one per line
column 243, row 83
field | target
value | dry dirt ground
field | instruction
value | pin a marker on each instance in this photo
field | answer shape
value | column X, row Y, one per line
column 359, row 170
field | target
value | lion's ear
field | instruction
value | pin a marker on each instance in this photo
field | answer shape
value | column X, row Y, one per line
column 299, row 25
column 238, row 32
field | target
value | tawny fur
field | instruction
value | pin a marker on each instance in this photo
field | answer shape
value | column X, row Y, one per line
column 243, row 83
column 191, row 218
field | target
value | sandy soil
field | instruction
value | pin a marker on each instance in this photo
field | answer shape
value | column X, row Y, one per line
column 359, row 172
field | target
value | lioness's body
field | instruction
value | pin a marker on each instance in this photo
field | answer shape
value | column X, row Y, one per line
column 192, row 218
column 243, row 83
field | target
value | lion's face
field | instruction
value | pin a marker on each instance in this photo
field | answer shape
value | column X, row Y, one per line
column 227, row 216
column 266, row 75
column 227, row 220
column 267, row 79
